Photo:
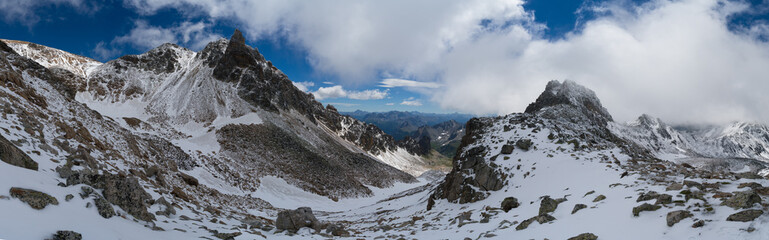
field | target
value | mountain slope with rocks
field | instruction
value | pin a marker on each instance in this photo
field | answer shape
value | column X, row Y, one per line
column 129, row 151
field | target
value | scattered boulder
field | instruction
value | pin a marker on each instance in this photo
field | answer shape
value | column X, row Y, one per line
column 523, row 144
column 664, row 199
column 227, row 236
column 584, row 236
column 744, row 199
column 547, row 205
column 647, row 196
column 68, row 197
column 599, row 198
column 674, row 187
column 698, row 224
column 507, row 149
column 644, row 207
column 509, row 203
column 337, row 230
column 11, row 154
column 745, row 216
column 293, row 220
column 190, row 180
column 578, row 207
column 676, row 216
column 67, row 235
column 35, row 199
column 691, row 184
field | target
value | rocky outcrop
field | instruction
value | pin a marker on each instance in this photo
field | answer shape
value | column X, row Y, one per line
column 35, row 199
column 67, row 235
column 120, row 190
column 293, row 220
column 470, row 169
column 10, row 154
column 644, row 207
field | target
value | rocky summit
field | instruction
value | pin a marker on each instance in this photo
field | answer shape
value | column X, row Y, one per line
column 221, row 144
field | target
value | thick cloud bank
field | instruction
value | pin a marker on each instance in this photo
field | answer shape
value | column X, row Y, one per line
column 677, row 60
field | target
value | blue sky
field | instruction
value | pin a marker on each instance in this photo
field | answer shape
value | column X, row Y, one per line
column 485, row 57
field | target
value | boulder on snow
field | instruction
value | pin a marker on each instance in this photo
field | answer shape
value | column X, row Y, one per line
column 509, row 203
column 676, row 216
column 578, row 207
column 293, row 220
column 548, row 205
column 523, row 144
column 67, row 235
column 35, row 199
column 745, row 216
column 507, row 149
column 644, row 207
column 584, row 236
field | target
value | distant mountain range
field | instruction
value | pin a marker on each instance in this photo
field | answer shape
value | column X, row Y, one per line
column 444, row 131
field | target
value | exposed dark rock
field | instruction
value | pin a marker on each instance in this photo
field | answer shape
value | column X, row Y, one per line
column 698, row 224
column 190, row 180
column 507, row 149
column 35, row 199
column 578, row 207
column 293, row 220
column 647, row 196
column 10, row 154
column 584, row 236
column 523, row 144
column 509, row 203
column 544, row 218
column 676, row 216
column 664, row 199
column 547, row 205
column 745, row 216
column 525, row 224
column 460, row 185
column 67, row 235
column 599, row 198
column 744, row 199
column 103, row 207
column 644, row 207
column 68, row 197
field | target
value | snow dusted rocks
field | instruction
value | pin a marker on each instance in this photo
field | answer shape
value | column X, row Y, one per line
column 35, row 199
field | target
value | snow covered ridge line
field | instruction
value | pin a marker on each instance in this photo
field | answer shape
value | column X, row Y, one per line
column 54, row 58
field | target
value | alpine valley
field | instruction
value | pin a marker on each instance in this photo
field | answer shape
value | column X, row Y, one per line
column 220, row 144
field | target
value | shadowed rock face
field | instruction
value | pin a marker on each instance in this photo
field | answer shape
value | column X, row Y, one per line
column 470, row 170
column 12, row 155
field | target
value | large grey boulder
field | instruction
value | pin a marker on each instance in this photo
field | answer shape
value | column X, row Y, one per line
column 293, row 220
column 676, row 216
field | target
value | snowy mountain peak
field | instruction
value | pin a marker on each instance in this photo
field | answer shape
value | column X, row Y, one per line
column 571, row 101
column 53, row 58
